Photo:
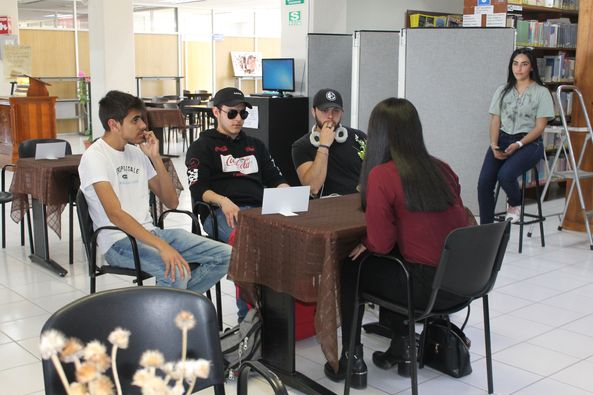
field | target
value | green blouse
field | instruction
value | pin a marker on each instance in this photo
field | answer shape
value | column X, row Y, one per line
column 519, row 113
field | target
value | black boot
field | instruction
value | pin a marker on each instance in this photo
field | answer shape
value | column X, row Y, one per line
column 397, row 353
column 359, row 369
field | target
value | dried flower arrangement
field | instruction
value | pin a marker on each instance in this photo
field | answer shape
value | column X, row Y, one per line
column 92, row 361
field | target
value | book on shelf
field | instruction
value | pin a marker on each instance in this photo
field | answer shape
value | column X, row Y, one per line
column 565, row 4
column 426, row 20
column 553, row 33
column 556, row 68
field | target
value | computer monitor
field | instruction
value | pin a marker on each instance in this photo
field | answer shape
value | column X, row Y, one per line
column 278, row 75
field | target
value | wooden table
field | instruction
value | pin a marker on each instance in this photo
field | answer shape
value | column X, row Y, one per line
column 297, row 257
column 49, row 182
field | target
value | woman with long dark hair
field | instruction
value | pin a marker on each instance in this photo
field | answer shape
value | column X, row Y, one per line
column 412, row 202
column 519, row 112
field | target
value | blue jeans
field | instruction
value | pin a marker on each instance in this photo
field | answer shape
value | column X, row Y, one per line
column 506, row 173
column 224, row 231
column 213, row 258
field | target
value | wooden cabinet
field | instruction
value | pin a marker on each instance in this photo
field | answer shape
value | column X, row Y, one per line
column 23, row 118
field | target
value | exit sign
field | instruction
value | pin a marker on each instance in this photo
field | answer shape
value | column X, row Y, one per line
column 293, row 2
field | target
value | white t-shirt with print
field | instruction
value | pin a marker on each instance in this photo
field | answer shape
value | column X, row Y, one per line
column 128, row 172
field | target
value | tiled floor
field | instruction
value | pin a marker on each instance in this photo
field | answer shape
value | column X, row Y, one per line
column 541, row 317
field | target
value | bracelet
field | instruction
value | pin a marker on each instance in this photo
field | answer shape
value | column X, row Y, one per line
column 519, row 143
column 324, row 146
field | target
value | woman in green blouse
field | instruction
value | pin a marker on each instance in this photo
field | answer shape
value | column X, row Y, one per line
column 519, row 112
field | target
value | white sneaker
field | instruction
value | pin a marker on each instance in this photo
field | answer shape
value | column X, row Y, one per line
column 513, row 214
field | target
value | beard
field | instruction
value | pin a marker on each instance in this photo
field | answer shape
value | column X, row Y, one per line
column 319, row 124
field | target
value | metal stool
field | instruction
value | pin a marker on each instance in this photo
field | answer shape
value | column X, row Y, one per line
column 537, row 218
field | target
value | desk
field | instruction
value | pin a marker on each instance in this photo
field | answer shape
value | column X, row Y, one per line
column 297, row 257
column 44, row 180
column 159, row 118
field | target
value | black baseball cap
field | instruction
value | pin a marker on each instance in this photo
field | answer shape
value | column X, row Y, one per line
column 229, row 97
column 327, row 98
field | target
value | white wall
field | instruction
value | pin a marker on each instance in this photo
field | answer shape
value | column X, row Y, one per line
column 390, row 14
column 10, row 8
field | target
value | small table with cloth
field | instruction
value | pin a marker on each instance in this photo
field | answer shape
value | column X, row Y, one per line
column 297, row 257
column 47, row 182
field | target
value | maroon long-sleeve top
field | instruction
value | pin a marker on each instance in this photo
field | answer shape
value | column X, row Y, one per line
column 420, row 236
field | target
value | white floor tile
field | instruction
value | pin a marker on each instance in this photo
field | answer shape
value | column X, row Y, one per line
column 529, row 291
column 42, row 289
column 14, row 355
column 445, row 385
column 582, row 326
column 25, row 328
column 506, row 378
column 547, row 315
column 52, row 303
column 22, row 380
column 31, row 345
column 550, row 387
column 566, row 342
column 516, row 328
column 535, row 359
column 578, row 375
column 19, row 310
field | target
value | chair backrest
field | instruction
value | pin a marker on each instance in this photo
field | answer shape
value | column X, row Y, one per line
column 86, row 224
column 471, row 259
column 149, row 314
column 27, row 148
column 187, row 102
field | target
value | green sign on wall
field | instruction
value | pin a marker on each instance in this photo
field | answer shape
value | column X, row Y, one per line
column 293, row 2
column 294, row 18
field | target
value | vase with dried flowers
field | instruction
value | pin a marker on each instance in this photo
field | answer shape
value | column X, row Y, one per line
column 91, row 363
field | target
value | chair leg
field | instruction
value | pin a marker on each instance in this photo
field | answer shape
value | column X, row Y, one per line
column 487, row 343
column 412, row 336
column 22, row 231
column 4, row 229
column 351, row 344
column 219, row 304
column 522, row 217
column 31, row 245
column 70, row 232
column 539, row 208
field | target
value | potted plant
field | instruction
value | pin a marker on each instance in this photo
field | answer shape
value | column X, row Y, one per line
column 82, row 90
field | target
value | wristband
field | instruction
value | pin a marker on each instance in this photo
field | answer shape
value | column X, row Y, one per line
column 324, row 146
column 519, row 143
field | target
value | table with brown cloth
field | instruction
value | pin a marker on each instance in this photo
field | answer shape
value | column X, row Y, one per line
column 300, row 256
column 48, row 182
column 159, row 118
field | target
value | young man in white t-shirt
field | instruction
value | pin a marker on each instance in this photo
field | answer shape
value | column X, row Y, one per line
column 116, row 174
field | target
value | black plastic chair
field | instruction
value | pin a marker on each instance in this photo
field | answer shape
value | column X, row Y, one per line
column 6, row 197
column 27, row 150
column 193, row 123
column 469, row 264
column 149, row 314
column 89, row 238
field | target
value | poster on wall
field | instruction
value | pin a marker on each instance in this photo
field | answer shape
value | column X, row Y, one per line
column 246, row 64
column 17, row 61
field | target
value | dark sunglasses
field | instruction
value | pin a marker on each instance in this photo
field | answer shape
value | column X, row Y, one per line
column 232, row 114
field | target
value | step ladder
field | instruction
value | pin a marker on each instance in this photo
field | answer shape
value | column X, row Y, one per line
column 574, row 171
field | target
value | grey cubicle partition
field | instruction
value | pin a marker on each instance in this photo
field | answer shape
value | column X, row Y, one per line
column 374, row 72
column 450, row 76
column 330, row 66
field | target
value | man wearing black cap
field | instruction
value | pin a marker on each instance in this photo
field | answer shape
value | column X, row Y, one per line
column 329, row 157
column 228, row 168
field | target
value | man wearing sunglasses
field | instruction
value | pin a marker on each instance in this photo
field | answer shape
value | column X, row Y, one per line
column 228, row 168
